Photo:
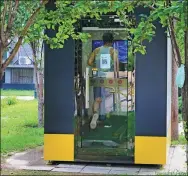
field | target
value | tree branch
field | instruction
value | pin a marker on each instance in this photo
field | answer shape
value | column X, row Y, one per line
column 174, row 42
column 12, row 15
column 3, row 22
column 3, row 13
column 153, row 8
column 173, row 50
column 23, row 33
column 28, row 55
column 11, row 40
column 42, row 49
column 33, row 47
column 173, row 37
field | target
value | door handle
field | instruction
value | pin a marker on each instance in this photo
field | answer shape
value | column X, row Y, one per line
column 87, row 89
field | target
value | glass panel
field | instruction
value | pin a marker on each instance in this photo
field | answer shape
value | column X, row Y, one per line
column 106, row 127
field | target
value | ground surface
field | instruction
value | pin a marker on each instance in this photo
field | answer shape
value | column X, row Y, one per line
column 32, row 160
column 17, row 92
column 19, row 132
column 20, row 97
column 26, row 172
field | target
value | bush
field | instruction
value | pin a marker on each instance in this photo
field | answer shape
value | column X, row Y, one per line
column 9, row 101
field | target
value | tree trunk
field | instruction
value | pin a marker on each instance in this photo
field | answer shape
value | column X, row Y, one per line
column 174, row 103
column 39, row 89
column 38, row 82
column 1, row 61
column 40, row 112
column 1, row 73
column 40, row 101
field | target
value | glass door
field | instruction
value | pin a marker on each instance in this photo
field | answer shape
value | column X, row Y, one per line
column 107, row 131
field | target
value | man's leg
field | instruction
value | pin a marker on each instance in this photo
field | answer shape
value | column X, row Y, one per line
column 102, row 104
column 96, row 109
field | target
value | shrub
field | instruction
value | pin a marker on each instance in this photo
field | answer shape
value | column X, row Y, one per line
column 9, row 101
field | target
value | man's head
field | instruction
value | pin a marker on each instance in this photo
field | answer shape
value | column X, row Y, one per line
column 108, row 38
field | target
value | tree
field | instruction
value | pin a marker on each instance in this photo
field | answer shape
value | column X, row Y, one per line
column 166, row 11
column 16, row 19
column 72, row 12
column 173, row 16
column 37, row 50
column 38, row 62
column 34, row 38
column 27, row 20
column 64, row 18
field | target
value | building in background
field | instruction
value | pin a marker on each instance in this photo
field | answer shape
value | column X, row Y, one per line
column 20, row 72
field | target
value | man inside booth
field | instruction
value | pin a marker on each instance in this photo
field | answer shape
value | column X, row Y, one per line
column 105, row 60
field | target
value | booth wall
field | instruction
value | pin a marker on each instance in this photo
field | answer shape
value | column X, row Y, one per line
column 151, row 99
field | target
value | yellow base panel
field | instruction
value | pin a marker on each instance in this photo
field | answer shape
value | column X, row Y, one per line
column 59, row 147
column 150, row 150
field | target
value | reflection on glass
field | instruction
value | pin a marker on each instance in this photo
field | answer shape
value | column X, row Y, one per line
column 109, row 127
column 120, row 45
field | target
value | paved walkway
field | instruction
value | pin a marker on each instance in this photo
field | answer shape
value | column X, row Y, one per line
column 20, row 97
column 33, row 160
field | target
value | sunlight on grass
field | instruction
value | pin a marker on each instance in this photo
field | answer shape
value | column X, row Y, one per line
column 19, row 126
column 17, row 92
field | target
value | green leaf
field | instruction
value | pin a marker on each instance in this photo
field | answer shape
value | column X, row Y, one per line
column 132, row 30
column 48, row 26
column 65, row 37
column 130, row 8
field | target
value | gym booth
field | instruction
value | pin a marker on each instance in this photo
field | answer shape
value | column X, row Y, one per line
column 102, row 102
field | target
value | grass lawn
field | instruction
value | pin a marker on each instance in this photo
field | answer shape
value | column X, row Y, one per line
column 19, row 132
column 17, row 92
column 19, row 126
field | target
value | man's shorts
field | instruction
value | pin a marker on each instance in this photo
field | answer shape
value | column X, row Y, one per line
column 99, row 92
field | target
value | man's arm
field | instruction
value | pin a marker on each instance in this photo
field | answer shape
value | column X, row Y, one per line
column 116, row 60
column 91, row 58
column 114, row 54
